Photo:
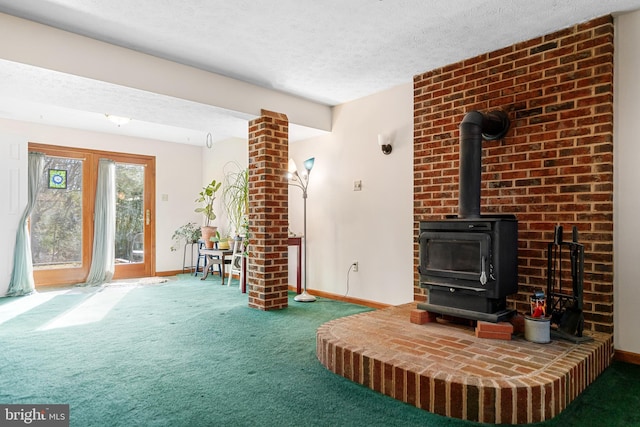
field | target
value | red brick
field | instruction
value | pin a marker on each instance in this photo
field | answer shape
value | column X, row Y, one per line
column 503, row 327
column 518, row 323
column 493, row 335
column 420, row 317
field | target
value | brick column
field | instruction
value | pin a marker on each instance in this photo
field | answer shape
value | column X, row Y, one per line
column 267, row 272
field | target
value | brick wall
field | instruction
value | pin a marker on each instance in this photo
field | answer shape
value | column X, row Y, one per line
column 267, row 271
column 555, row 166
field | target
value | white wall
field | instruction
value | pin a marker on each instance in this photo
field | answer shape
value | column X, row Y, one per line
column 214, row 163
column 626, row 248
column 373, row 226
column 13, row 198
column 178, row 176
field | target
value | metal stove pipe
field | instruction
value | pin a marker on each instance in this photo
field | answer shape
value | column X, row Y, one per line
column 475, row 127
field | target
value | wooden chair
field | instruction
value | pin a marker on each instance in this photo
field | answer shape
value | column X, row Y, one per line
column 236, row 260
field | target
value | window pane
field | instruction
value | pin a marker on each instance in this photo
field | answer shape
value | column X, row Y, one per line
column 56, row 222
column 129, row 213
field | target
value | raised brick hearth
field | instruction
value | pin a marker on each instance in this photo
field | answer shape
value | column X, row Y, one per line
column 445, row 369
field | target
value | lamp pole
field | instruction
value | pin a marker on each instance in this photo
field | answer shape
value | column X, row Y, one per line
column 302, row 182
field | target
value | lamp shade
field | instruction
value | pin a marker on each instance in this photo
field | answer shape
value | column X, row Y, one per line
column 308, row 164
column 292, row 166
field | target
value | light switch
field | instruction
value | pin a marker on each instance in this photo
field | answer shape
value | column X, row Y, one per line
column 357, row 185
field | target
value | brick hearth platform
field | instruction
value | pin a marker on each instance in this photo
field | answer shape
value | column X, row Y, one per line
column 445, row 369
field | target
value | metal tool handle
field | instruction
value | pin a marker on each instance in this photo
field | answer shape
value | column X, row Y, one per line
column 557, row 235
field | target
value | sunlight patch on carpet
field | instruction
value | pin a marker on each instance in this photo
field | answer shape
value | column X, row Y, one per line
column 92, row 310
column 142, row 281
column 23, row 304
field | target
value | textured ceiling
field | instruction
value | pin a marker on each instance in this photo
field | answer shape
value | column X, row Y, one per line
column 330, row 51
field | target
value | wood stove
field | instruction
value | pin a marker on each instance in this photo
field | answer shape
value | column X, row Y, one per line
column 469, row 266
column 469, row 263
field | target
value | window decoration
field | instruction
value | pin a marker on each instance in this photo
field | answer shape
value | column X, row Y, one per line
column 58, row 178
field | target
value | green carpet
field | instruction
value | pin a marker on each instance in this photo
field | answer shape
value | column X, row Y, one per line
column 191, row 353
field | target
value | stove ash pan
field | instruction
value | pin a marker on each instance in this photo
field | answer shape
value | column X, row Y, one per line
column 469, row 266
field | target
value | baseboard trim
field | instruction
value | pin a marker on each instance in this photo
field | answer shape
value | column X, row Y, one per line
column 626, row 357
column 322, row 294
column 169, row 273
column 352, row 300
column 176, row 272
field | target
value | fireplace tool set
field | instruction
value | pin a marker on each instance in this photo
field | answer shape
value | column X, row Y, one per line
column 565, row 305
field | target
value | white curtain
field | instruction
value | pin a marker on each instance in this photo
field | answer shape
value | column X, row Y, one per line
column 22, row 282
column 104, row 236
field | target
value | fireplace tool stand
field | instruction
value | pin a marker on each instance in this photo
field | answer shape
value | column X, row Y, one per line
column 564, row 305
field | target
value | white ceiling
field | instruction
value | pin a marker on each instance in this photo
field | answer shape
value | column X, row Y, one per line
column 330, row 51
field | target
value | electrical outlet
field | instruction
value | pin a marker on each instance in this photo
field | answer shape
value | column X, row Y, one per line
column 355, row 266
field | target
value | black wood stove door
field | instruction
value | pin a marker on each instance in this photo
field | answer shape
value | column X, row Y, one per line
column 449, row 258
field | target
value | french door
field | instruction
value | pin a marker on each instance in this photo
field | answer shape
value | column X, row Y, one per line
column 61, row 224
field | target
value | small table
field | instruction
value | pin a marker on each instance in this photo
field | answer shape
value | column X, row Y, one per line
column 210, row 254
column 292, row 241
column 297, row 241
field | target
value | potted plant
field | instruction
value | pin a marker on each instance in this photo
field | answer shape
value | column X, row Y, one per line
column 222, row 241
column 206, row 198
column 235, row 196
column 185, row 234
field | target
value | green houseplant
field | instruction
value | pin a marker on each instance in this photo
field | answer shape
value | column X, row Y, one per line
column 206, row 198
column 222, row 241
column 185, row 234
column 235, row 196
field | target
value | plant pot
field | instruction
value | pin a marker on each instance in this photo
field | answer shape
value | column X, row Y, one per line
column 208, row 231
column 224, row 244
column 537, row 329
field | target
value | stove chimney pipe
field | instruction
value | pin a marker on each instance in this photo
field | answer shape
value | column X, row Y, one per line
column 475, row 127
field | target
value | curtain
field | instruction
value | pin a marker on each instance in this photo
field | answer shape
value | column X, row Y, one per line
column 22, row 282
column 104, row 236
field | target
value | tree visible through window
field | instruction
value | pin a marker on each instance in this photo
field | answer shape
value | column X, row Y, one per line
column 56, row 222
column 129, row 213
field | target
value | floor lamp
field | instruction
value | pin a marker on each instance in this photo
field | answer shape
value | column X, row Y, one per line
column 302, row 182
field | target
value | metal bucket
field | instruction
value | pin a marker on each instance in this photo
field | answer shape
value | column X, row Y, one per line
column 537, row 329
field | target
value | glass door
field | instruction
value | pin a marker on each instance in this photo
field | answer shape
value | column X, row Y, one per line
column 133, row 217
column 62, row 221
column 58, row 226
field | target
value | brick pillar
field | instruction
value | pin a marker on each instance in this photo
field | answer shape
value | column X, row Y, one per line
column 267, row 273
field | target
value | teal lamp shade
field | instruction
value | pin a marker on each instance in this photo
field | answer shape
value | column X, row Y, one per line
column 308, row 164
